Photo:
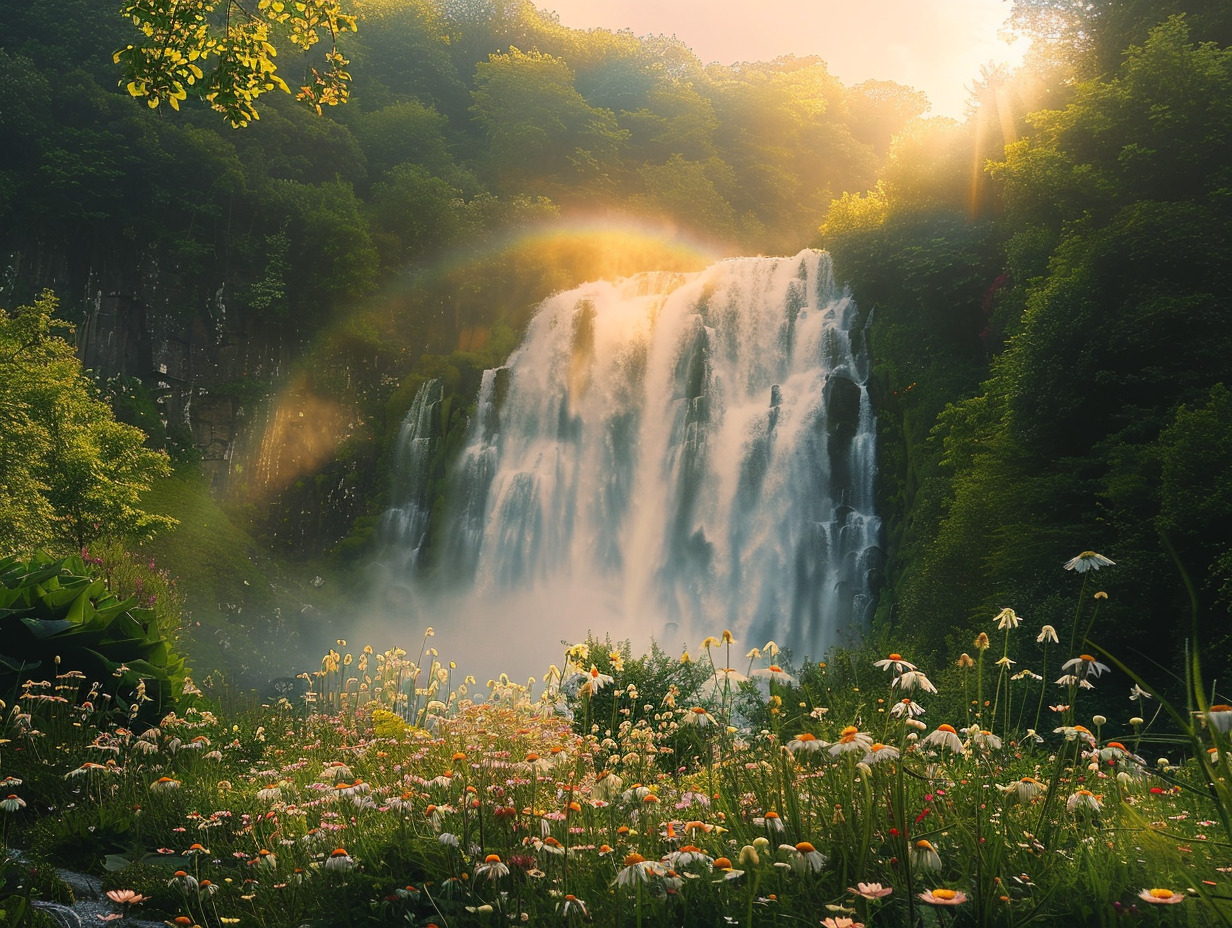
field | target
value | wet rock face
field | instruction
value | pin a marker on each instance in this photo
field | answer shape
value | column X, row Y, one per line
column 842, row 406
column 841, row 402
column 206, row 373
column 115, row 338
column 219, row 383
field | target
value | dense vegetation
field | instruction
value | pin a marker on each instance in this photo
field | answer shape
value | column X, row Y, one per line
column 1051, row 372
column 304, row 265
column 70, row 472
column 631, row 791
column 1044, row 278
column 466, row 119
column 1051, row 336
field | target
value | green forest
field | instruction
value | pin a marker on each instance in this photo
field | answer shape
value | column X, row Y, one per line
column 1044, row 278
column 218, row 301
column 1051, row 353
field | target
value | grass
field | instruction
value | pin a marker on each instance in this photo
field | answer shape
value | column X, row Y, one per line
column 648, row 790
column 238, row 599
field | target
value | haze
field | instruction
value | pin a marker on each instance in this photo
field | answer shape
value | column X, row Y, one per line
column 936, row 46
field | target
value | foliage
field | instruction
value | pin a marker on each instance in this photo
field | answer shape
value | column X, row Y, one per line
column 70, row 472
column 59, row 617
column 1090, row 37
column 395, row 792
column 1090, row 310
column 231, row 65
column 21, row 885
column 538, row 125
column 129, row 575
column 405, row 225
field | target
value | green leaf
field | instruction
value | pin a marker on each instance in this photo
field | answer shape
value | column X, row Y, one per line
column 42, row 629
column 19, row 665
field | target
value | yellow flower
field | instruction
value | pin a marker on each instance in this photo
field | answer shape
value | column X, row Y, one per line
column 981, row 641
column 1006, row 619
column 1160, row 896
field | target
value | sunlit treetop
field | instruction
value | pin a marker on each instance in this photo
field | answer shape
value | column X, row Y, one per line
column 222, row 51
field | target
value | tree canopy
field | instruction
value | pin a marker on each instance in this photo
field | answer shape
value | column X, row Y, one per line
column 1053, row 345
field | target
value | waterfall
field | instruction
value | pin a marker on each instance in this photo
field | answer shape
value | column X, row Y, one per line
column 690, row 452
column 419, row 441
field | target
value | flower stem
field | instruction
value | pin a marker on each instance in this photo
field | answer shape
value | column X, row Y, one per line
column 1043, row 685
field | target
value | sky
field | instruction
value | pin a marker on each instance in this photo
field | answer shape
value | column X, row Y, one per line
column 933, row 45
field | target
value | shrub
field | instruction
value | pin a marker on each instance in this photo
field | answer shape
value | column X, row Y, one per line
column 56, row 615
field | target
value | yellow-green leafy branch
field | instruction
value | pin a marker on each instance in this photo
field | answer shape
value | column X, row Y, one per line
column 231, row 64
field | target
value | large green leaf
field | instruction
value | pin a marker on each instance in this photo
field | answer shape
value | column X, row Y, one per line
column 42, row 629
column 83, row 605
column 125, row 628
column 111, row 606
column 57, row 600
column 61, row 611
column 31, row 577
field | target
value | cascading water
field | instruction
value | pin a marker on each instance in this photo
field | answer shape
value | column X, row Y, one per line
column 679, row 453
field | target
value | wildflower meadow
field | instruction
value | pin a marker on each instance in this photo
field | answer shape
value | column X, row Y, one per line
column 722, row 786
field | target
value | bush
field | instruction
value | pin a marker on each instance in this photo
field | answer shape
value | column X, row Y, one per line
column 58, row 616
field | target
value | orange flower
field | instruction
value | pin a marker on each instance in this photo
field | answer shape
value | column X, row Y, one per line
column 943, row 897
column 125, row 896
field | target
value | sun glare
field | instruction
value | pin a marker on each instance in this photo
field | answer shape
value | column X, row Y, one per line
column 302, row 432
column 584, row 249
